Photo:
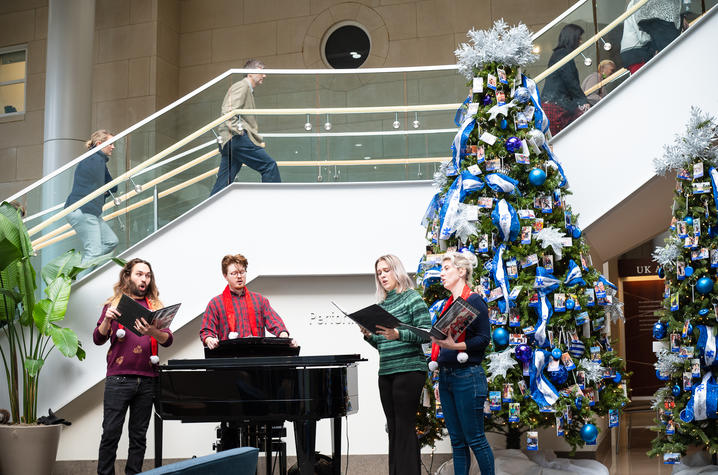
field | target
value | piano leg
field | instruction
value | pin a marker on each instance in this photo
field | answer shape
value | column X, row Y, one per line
column 305, row 432
column 337, row 446
column 268, row 447
column 158, row 440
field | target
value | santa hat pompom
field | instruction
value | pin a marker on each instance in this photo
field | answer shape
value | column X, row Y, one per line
column 433, row 365
column 462, row 357
column 154, row 359
column 233, row 335
column 121, row 333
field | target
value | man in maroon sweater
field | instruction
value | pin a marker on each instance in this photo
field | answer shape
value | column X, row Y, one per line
column 131, row 368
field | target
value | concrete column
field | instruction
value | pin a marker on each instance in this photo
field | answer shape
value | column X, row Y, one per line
column 68, row 98
column 68, row 81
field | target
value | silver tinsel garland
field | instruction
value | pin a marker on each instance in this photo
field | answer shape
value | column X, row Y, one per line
column 593, row 369
column 439, row 181
column 614, row 310
column 668, row 362
column 551, row 237
column 510, row 46
column 697, row 142
column 667, row 255
column 500, row 362
column 659, row 396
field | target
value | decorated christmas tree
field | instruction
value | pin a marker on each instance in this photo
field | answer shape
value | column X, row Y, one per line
column 686, row 330
column 502, row 196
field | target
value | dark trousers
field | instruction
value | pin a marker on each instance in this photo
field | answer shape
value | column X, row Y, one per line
column 122, row 392
column 399, row 394
column 241, row 150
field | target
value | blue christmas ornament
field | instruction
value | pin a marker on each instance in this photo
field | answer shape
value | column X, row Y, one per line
column 576, row 232
column 578, row 403
column 556, row 353
column 589, row 432
column 503, row 124
column 501, row 337
column 676, row 390
column 704, row 285
column 559, row 376
column 659, row 330
column 537, row 177
column 617, row 378
column 486, row 100
column 689, row 271
column 513, row 144
column 688, row 220
column 661, row 273
column 686, row 414
column 570, row 304
column 703, row 312
column 523, row 352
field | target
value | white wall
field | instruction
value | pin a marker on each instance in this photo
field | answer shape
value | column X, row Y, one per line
column 607, row 154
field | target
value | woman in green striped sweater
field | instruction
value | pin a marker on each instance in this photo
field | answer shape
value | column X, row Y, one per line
column 402, row 364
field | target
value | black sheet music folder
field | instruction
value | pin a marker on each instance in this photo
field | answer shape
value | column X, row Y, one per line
column 252, row 346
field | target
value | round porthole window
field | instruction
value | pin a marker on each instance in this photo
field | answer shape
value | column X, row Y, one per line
column 346, row 47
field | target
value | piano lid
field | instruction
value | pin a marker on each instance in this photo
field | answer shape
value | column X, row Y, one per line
column 253, row 346
column 285, row 361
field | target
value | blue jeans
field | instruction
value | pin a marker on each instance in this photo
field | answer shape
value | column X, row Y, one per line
column 238, row 151
column 462, row 392
column 96, row 235
column 122, row 392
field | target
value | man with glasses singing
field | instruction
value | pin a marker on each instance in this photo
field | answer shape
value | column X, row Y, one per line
column 237, row 312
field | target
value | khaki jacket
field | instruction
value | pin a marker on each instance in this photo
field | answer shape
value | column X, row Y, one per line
column 239, row 96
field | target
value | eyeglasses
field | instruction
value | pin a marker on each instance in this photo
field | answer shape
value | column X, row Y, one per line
column 236, row 273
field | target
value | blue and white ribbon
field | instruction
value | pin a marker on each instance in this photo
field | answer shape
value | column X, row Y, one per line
column 714, row 183
column 435, row 310
column 469, row 183
column 542, row 391
column 606, row 282
column 544, row 283
column 460, row 115
column 540, row 119
column 548, row 151
column 431, row 275
column 574, row 275
column 498, row 272
column 506, row 221
column 500, row 182
column 450, row 210
column 705, row 399
column 458, row 147
column 707, row 343
column 432, row 210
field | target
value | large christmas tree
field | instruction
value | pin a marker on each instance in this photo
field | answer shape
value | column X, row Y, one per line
column 686, row 330
column 502, row 196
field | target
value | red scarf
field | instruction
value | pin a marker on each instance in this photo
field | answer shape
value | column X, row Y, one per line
column 465, row 293
column 232, row 317
column 153, row 341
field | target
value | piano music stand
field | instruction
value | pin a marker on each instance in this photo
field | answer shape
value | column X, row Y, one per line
column 252, row 347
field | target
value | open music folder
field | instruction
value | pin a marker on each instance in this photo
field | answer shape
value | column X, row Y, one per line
column 373, row 315
column 130, row 310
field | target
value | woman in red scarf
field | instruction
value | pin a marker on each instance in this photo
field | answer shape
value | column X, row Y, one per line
column 463, row 388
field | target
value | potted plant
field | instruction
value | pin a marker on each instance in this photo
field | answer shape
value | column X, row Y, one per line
column 29, row 331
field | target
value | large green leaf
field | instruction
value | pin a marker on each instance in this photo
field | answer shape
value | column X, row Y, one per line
column 14, row 240
column 18, row 277
column 32, row 367
column 53, row 308
column 65, row 340
column 61, row 265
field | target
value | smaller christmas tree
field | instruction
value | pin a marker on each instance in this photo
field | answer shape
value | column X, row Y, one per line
column 686, row 330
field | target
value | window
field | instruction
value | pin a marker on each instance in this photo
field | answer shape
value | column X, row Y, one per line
column 13, row 73
column 347, row 47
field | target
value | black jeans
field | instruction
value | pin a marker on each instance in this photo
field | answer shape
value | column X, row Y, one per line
column 399, row 394
column 121, row 392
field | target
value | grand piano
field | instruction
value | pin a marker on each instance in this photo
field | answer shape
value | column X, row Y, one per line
column 261, row 391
